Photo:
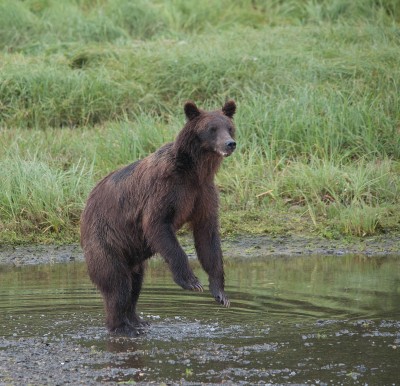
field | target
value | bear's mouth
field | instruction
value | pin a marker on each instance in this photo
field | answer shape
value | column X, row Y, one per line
column 224, row 153
column 226, row 149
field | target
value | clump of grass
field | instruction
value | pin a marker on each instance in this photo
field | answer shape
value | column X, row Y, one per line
column 356, row 198
column 17, row 24
column 36, row 198
column 350, row 198
column 33, row 96
column 370, row 182
column 358, row 220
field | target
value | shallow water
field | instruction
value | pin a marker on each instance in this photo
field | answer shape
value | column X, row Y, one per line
column 303, row 320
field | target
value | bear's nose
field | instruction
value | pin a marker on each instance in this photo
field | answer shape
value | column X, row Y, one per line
column 230, row 145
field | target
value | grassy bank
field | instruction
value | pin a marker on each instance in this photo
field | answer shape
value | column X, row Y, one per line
column 87, row 86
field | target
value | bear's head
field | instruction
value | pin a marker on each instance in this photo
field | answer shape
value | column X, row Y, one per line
column 213, row 131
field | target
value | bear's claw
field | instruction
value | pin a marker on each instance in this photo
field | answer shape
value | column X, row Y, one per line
column 220, row 297
column 139, row 323
column 127, row 330
column 197, row 287
column 223, row 300
column 191, row 284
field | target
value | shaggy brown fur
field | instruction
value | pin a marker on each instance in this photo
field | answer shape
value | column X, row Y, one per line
column 134, row 213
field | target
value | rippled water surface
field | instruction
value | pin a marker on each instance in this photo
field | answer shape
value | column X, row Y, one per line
column 303, row 320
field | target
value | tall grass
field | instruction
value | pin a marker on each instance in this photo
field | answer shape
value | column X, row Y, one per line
column 294, row 94
column 25, row 22
column 88, row 85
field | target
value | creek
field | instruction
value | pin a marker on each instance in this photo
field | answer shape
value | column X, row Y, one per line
column 303, row 320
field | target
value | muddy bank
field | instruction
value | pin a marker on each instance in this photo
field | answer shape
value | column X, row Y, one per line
column 237, row 247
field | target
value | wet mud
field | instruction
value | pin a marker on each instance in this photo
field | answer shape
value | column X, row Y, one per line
column 242, row 246
column 302, row 312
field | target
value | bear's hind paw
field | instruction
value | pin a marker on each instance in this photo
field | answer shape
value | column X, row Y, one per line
column 128, row 330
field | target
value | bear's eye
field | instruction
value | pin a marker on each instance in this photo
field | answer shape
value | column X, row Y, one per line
column 213, row 129
column 230, row 130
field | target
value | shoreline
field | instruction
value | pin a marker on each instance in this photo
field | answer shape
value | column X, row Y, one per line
column 242, row 246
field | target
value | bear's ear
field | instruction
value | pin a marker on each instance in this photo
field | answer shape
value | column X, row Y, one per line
column 229, row 108
column 191, row 110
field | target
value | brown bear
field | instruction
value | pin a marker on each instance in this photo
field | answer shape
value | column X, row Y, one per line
column 134, row 213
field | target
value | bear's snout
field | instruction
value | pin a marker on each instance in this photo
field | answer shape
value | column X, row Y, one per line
column 230, row 146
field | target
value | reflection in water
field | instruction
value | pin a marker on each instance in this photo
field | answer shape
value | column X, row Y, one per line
column 302, row 319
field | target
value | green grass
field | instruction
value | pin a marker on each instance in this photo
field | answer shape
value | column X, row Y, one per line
column 89, row 85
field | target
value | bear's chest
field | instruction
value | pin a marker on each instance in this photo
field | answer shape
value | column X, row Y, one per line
column 193, row 204
column 185, row 206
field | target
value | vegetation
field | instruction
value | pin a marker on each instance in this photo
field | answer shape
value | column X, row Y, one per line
column 89, row 85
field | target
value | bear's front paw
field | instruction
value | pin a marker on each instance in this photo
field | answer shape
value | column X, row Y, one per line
column 191, row 283
column 219, row 295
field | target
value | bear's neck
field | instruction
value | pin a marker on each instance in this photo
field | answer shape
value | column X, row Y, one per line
column 195, row 162
column 206, row 166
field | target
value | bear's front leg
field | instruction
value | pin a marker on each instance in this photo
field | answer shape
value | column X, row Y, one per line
column 163, row 241
column 209, row 253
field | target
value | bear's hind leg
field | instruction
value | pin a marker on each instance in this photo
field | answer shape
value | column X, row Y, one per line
column 137, row 280
column 115, row 288
column 113, row 279
column 117, row 301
